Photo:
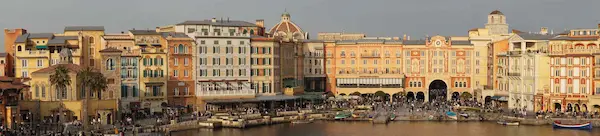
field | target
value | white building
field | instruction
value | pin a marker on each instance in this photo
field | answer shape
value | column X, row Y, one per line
column 223, row 56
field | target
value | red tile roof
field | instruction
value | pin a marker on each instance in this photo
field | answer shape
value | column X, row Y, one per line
column 51, row 69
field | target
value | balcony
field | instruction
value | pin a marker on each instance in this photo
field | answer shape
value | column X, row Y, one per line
column 515, row 53
column 33, row 53
column 575, row 51
column 224, row 92
column 155, row 50
column 154, row 95
column 131, row 53
column 370, row 55
column 213, row 34
column 514, row 74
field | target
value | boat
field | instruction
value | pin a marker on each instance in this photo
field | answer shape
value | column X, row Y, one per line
column 451, row 115
column 302, row 121
column 393, row 117
column 342, row 115
column 508, row 123
column 584, row 126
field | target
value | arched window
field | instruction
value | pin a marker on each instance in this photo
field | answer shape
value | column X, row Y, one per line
column 37, row 91
column 43, row 91
column 252, row 32
column 18, row 48
column 181, row 48
column 110, row 64
column 91, row 40
column 492, row 19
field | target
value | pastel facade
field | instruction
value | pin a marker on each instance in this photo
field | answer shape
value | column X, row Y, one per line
column 35, row 51
column 129, row 65
column 181, row 85
column 314, row 66
column 525, row 70
column 153, row 72
column 572, row 67
column 223, row 57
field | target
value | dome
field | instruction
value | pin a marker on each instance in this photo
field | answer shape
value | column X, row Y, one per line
column 496, row 12
column 286, row 27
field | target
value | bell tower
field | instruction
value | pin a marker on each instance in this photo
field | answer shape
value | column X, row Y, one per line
column 497, row 23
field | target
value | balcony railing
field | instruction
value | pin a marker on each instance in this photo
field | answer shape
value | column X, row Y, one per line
column 221, row 34
column 575, row 51
column 370, row 55
column 514, row 74
column 153, row 94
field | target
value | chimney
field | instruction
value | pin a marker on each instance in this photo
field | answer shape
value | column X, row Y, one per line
column 544, row 30
column 213, row 20
column 260, row 23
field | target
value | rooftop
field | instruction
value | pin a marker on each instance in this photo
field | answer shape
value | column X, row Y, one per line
column 84, row 28
column 144, row 32
column 219, row 23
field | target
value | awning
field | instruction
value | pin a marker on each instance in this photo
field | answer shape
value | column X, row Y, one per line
column 500, row 98
column 156, row 45
column 41, row 46
column 257, row 99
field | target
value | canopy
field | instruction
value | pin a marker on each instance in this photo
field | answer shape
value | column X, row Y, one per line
column 41, row 46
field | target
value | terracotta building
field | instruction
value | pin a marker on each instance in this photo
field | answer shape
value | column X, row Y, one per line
column 180, row 84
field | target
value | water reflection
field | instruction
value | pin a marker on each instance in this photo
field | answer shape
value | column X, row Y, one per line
column 322, row 128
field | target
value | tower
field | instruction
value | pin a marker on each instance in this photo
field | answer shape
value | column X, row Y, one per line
column 66, row 56
column 497, row 23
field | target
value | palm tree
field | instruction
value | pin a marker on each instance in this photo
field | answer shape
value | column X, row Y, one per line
column 84, row 77
column 60, row 79
column 90, row 81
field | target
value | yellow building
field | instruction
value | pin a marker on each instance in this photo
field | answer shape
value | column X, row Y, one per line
column 153, row 69
column 35, row 51
column 90, row 43
column 364, row 66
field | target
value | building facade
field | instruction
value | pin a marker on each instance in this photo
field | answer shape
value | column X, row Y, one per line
column 153, row 69
column 571, row 61
column 223, row 57
column 314, row 68
column 526, row 70
column 129, row 61
column 180, row 85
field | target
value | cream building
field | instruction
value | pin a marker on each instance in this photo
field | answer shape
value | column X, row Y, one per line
column 314, row 65
column 223, row 57
column 527, row 69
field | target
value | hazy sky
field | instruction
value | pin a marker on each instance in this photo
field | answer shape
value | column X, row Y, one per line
column 373, row 17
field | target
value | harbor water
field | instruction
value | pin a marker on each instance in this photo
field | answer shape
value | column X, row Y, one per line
column 398, row 128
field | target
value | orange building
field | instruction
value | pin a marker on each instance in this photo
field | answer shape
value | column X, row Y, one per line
column 10, row 36
column 180, row 84
column 495, row 49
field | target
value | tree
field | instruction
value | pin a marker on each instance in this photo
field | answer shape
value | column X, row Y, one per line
column 343, row 94
column 355, row 94
column 466, row 95
column 60, row 79
column 90, row 81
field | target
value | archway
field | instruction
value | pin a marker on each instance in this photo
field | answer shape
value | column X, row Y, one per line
column 421, row 96
column 438, row 90
column 455, row 96
column 569, row 107
column 410, row 96
column 584, row 106
column 557, row 107
column 488, row 100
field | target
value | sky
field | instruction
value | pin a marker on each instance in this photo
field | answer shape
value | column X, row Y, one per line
column 389, row 18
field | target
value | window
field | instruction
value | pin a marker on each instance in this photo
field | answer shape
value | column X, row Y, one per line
column 185, row 73
column 186, row 91
column 43, row 91
column 228, row 42
column 40, row 62
column 241, row 42
column 175, row 73
column 110, row 64
column 37, row 91
column 343, row 61
column 124, row 91
column 186, row 61
column 25, row 74
column 91, row 40
column 24, row 63
column 202, row 42
column 176, row 62
column 176, row 91
column 216, row 42
column 364, row 61
column 18, row 48
column 135, row 91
